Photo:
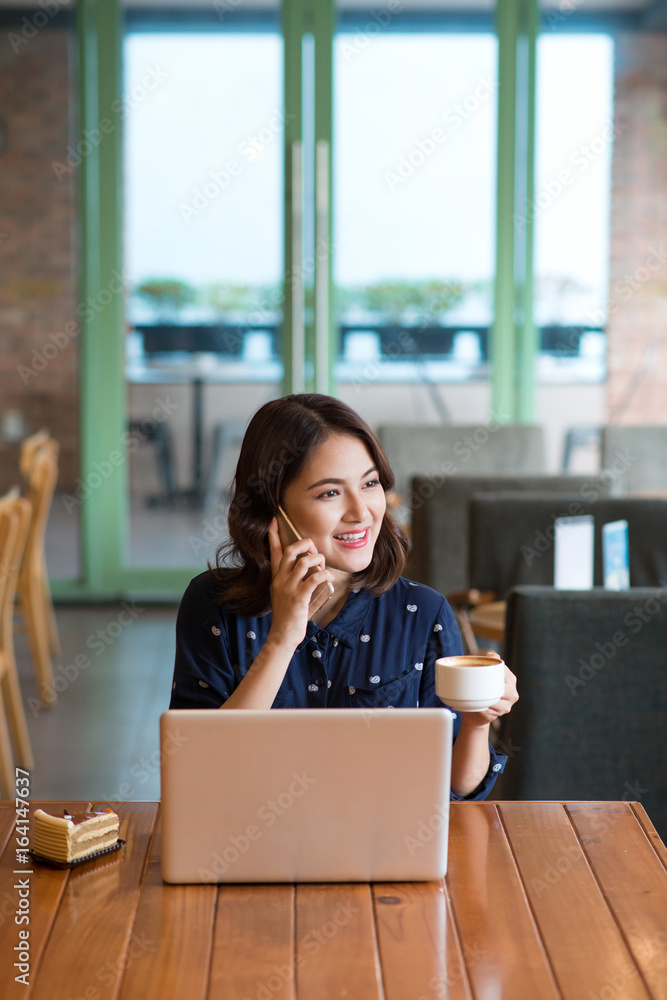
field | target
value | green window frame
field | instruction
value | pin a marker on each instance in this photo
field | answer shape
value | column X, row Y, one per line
column 99, row 30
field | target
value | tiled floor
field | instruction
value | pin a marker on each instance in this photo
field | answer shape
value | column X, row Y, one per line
column 100, row 740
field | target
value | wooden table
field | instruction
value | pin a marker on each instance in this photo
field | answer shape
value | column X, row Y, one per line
column 542, row 900
column 488, row 620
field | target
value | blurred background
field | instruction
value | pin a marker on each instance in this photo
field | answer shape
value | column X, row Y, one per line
column 147, row 201
column 449, row 213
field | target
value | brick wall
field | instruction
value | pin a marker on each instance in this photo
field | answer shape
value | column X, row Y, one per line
column 38, row 268
column 637, row 329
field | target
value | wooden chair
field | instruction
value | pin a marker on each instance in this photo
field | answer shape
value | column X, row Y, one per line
column 39, row 464
column 15, row 516
column 29, row 448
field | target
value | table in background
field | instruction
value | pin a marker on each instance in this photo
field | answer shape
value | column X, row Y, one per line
column 198, row 372
column 542, row 900
column 191, row 374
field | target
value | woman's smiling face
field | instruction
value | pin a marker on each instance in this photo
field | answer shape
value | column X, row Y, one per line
column 338, row 502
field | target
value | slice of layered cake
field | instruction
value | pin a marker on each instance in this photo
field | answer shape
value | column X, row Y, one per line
column 74, row 836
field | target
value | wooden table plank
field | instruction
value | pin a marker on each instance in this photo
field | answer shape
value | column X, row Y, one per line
column 7, row 817
column 169, row 952
column 586, row 879
column 86, row 950
column 46, row 888
column 650, row 831
column 504, row 953
column 419, row 948
column 253, row 948
column 633, row 881
column 336, row 948
column 585, row 947
column 488, row 620
column 8, row 895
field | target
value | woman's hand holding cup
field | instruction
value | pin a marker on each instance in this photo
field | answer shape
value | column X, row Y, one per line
column 480, row 686
column 501, row 707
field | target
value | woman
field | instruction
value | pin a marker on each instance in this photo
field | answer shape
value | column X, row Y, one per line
column 271, row 633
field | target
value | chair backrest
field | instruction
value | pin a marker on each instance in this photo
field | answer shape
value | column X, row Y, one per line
column 29, row 448
column 41, row 483
column 640, row 455
column 592, row 679
column 511, row 537
column 14, row 524
column 440, row 519
column 459, row 450
column 8, row 532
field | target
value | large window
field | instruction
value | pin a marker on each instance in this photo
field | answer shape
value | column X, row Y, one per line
column 203, row 253
column 571, row 207
column 414, row 201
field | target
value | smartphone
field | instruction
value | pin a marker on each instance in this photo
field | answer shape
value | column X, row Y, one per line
column 293, row 535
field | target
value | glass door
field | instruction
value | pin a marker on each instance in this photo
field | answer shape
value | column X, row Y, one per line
column 203, row 210
column 308, row 202
column 415, row 110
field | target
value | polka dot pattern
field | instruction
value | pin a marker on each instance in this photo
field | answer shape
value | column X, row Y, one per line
column 375, row 646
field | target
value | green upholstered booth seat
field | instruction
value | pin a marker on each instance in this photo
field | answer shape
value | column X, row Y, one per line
column 640, row 455
column 440, row 520
column 442, row 451
column 511, row 537
column 591, row 720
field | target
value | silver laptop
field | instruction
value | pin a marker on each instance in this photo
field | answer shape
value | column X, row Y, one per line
column 305, row 795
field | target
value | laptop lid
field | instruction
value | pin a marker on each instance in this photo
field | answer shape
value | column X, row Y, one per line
column 305, row 795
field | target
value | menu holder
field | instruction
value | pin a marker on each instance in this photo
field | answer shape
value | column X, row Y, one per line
column 615, row 555
column 573, row 552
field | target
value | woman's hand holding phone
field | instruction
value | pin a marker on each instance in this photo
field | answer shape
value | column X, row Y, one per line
column 300, row 585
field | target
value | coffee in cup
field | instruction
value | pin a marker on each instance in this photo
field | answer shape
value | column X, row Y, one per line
column 470, row 683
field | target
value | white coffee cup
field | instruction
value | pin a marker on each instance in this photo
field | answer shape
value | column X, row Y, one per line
column 470, row 683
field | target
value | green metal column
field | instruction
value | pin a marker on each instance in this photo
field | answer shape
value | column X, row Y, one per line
column 103, row 472
column 105, row 443
column 309, row 344
column 102, row 498
column 326, row 347
column 513, row 341
column 293, row 347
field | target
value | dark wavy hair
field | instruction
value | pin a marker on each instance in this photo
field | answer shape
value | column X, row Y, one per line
column 279, row 440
